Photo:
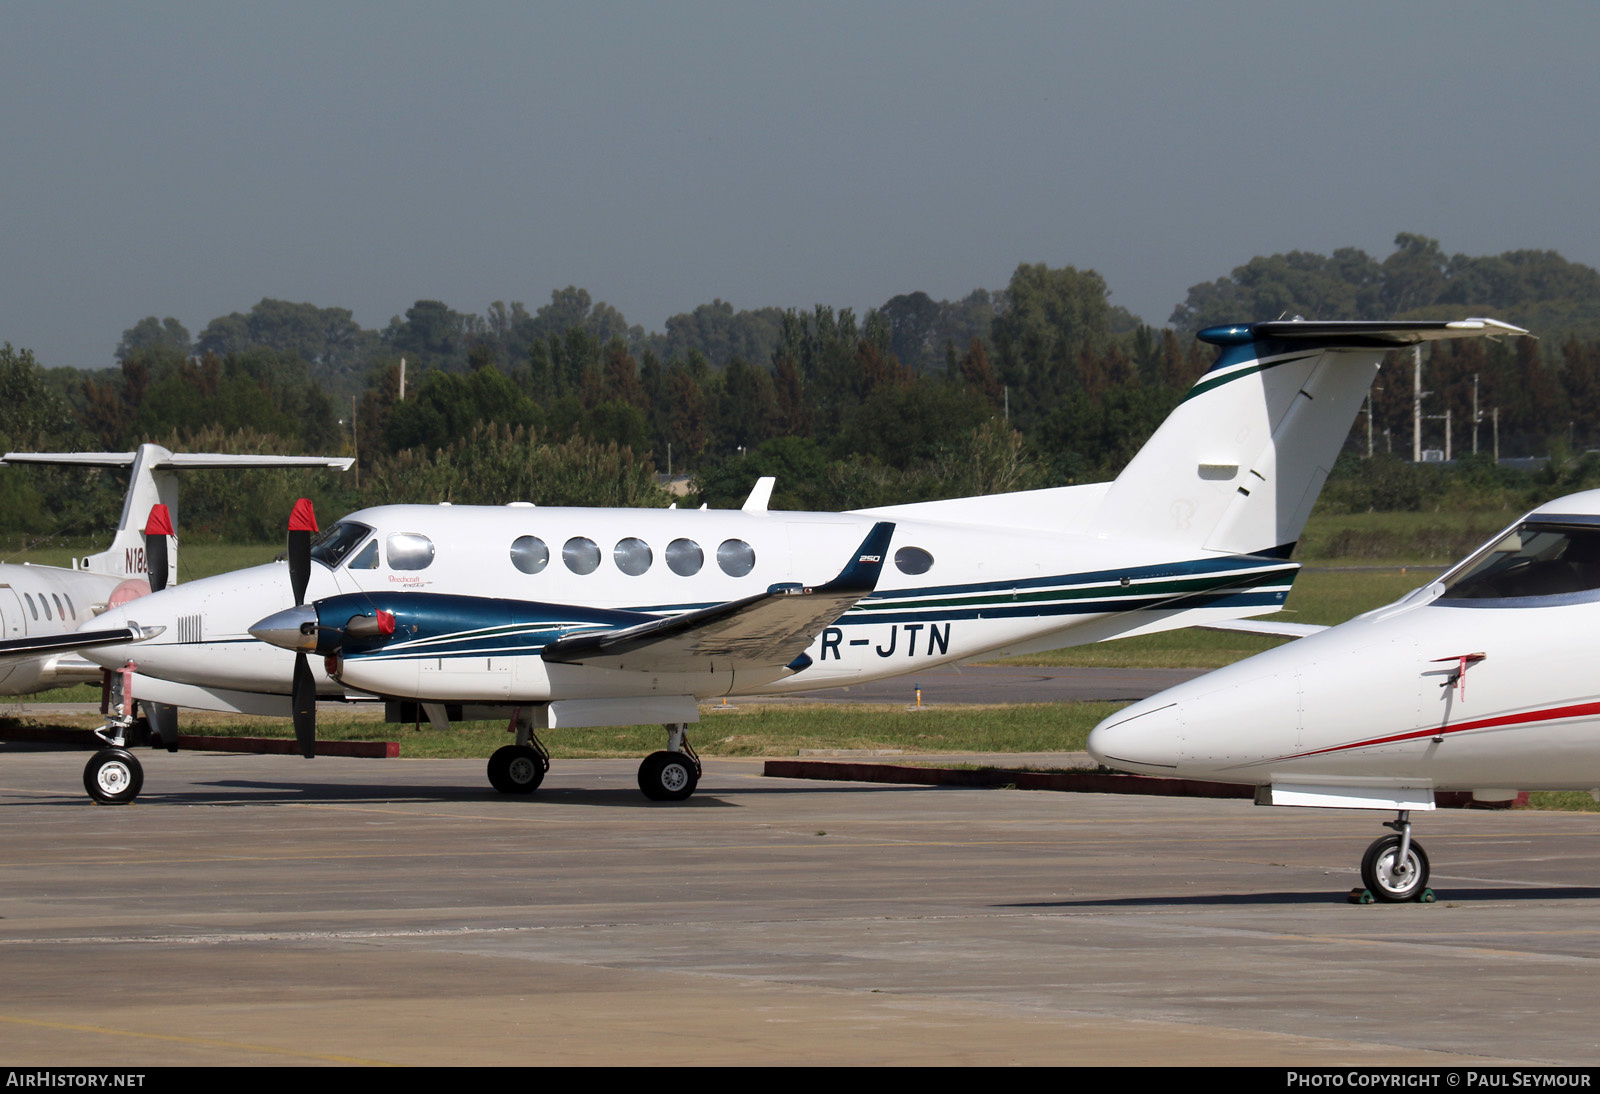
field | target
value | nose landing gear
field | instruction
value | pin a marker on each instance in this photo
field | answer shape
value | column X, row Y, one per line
column 1395, row 868
column 113, row 776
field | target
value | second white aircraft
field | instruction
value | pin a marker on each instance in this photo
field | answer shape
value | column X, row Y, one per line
column 1482, row 681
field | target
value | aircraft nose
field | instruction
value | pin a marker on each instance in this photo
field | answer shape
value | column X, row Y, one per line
column 1141, row 738
column 293, row 628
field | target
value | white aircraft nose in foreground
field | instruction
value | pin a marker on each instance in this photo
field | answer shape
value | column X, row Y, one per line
column 1482, row 681
column 594, row 617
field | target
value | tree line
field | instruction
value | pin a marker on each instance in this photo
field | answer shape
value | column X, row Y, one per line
column 1042, row 382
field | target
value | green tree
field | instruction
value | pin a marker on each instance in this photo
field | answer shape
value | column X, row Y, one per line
column 432, row 336
column 1051, row 317
column 449, row 406
column 168, row 334
column 494, row 464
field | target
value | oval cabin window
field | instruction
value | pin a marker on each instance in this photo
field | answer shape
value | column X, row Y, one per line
column 736, row 557
column 529, row 554
column 684, row 557
column 581, row 555
column 632, row 556
column 913, row 560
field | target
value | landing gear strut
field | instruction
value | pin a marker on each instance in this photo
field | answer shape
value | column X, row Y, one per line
column 519, row 768
column 1395, row 868
column 673, row 774
column 113, row 776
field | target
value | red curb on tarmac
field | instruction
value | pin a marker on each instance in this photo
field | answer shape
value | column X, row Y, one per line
column 279, row 746
column 1083, row 782
column 1091, row 782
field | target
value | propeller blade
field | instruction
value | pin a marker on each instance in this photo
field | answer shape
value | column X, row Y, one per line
column 302, row 524
column 305, row 706
column 156, row 531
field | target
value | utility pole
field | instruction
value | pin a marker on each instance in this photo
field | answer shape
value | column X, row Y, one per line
column 1416, row 403
column 1476, row 416
column 1497, row 436
column 1445, row 418
column 402, row 379
column 355, row 448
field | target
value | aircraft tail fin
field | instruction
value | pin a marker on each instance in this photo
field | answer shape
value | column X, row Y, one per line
column 153, row 481
column 1238, row 465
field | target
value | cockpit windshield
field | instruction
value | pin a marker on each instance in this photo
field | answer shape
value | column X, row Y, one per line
column 334, row 543
column 1537, row 559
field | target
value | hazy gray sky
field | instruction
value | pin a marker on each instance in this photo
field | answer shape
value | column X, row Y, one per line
column 182, row 159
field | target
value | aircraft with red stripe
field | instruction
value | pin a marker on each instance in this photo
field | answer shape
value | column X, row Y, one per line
column 1482, row 681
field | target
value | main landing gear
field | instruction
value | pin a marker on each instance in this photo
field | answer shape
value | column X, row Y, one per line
column 113, row 776
column 670, row 775
column 1395, row 868
column 519, row 768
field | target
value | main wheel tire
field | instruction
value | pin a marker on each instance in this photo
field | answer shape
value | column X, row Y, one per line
column 113, row 777
column 1379, row 872
column 517, row 769
column 668, row 776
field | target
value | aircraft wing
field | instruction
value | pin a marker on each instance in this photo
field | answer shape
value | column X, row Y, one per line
column 25, row 649
column 768, row 630
column 1263, row 627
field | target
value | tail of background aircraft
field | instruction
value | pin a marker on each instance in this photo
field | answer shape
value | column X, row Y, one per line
column 1238, row 465
column 154, row 480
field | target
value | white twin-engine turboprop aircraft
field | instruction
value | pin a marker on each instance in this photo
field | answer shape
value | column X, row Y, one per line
column 1482, row 681
column 563, row 617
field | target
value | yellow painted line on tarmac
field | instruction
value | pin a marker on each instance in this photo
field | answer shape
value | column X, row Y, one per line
column 201, row 1042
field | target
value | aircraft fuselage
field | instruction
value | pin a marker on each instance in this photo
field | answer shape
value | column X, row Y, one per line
column 948, row 592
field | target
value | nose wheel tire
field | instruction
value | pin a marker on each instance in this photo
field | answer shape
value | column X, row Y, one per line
column 1390, row 880
column 668, row 776
column 517, row 769
column 113, row 777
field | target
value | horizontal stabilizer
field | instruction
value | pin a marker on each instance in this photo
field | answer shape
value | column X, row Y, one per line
column 768, row 630
column 153, row 481
column 176, row 461
column 1360, row 333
